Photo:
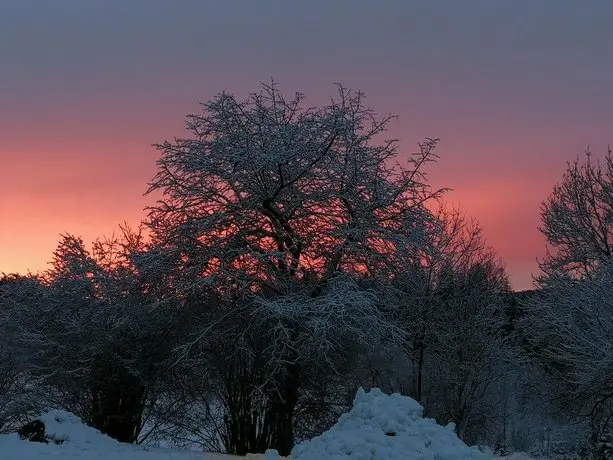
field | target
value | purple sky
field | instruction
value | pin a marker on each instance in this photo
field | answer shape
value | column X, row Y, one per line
column 513, row 88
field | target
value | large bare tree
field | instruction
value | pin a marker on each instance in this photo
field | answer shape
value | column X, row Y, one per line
column 282, row 207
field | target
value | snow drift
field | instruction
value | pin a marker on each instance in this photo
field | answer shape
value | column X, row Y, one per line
column 66, row 427
column 64, row 431
column 70, row 438
column 378, row 427
column 386, row 427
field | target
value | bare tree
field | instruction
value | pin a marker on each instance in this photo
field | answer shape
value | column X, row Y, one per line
column 577, row 219
column 278, row 206
column 17, row 398
column 571, row 323
column 453, row 315
column 427, row 285
column 92, row 335
column 470, row 358
column 568, row 323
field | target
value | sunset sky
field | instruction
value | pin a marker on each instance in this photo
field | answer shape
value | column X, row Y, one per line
column 514, row 89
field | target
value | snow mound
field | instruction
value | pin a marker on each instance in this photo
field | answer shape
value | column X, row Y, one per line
column 66, row 427
column 67, row 435
column 517, row 456
column 70, row 438
column 386, row 427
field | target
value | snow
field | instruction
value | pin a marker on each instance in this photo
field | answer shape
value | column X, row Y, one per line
column 379, row 426
column 386, row 427
column 516, row 456
column 66, row 427
column 81, row 442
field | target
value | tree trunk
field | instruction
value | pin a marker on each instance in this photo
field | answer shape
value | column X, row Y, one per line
column 255, row 421
column 420, row 372
column 118, row 400
column 282, row 412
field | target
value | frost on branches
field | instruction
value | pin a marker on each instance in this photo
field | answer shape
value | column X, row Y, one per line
column 268, row 195
column 577, row 219
column 452, row 310
column 283, row 212
column 569, row 322
column 89, row 336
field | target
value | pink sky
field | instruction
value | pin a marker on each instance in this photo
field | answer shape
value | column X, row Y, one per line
column 85, row 88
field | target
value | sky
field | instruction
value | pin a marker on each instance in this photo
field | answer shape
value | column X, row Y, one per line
column 513, row 88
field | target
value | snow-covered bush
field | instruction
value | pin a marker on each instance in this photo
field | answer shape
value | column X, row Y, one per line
column 19, row 395
column 89, row 332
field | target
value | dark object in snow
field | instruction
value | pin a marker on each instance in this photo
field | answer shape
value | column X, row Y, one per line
column 390, row 433
column 33, row 431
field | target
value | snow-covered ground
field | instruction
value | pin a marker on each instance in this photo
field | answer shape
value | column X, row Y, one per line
column 516, row 456
column 379, row 426
column 80, row 441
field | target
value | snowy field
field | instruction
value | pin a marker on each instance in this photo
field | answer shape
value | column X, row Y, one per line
column 378, row 427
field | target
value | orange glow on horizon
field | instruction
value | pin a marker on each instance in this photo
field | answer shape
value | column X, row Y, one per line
column 88, row 184
column 86, row 88
column 91, row 207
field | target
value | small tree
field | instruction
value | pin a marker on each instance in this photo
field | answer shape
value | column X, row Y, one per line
column 273, row 206
column 93, row 336
column 577, row 219
column 569, row 322
column 17, row 385
column 429, row 285
column 470, row 358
